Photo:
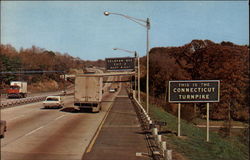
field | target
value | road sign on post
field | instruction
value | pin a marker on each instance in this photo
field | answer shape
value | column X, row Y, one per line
column 122, row 63
column 202, row 91
column 196, row 91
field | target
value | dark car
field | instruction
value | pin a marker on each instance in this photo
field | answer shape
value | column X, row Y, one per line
column 3, row 128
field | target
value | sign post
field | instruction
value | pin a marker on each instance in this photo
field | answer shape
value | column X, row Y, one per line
column 194, row 91
column 207, row 122
column 179, row 119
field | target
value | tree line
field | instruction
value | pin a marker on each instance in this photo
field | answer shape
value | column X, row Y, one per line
column 203, row 60
column 38, row 59
column 197, row 60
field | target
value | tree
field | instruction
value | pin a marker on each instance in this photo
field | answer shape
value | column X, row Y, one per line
column 204, row 60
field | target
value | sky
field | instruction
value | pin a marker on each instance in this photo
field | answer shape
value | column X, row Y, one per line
column 80, row 28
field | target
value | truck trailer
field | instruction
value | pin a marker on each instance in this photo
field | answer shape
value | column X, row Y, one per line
column 88, row 92
column 18, row 89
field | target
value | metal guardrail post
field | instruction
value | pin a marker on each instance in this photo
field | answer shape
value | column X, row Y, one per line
column 154, row 131
column 169, row 155
column 159, row 140
column 163, row 153
column 163, row 147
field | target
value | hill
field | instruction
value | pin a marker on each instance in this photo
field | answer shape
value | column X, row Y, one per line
column 203, row 60
column 39, row 59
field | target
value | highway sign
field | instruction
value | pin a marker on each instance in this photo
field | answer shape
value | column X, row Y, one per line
column 194, row 91
column 122, row 63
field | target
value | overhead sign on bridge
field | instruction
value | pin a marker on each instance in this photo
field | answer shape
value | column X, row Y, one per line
column 194, row 91
column 122, row 63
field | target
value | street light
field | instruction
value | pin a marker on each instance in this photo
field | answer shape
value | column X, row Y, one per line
column 106, row 13
column 138, row 71
column 145, row 24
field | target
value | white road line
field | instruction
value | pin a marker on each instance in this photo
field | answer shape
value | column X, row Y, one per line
column 31, row 110
column 59, row 117
column 43, row 126
column 33, row 131
column 92, row 141
column 23, row 114
column 16, row 117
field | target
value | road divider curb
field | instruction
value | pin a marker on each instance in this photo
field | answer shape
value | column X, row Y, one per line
column 92, row 141
column 15, row 102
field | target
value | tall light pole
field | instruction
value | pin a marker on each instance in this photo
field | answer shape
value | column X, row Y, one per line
column 145, row 24
column 138, row 70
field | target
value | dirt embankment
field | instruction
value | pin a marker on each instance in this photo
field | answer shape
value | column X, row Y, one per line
column 46, row 86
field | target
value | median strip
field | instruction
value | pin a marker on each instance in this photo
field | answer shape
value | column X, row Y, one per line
column 92, row 142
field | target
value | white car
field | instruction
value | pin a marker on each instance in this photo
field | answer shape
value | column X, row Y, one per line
column 112, row 90
column 53, row 101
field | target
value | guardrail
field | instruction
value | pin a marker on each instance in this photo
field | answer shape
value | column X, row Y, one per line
column 15, row 102
column 159, row 150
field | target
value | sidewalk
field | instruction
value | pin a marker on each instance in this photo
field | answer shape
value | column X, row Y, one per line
column 121, row 135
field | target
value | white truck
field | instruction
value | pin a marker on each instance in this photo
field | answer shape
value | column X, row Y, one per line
column 18, row 89
column 88, row 91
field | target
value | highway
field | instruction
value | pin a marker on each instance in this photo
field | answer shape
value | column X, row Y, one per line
column 35, row 133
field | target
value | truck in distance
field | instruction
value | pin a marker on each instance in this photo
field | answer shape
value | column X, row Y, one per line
column 88, row 92
column 18, row 89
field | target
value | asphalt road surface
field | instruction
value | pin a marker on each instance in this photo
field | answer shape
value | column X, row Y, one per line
column 34, row 133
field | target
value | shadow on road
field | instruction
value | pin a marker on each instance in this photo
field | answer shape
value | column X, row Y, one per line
column 50, row 108
column 69, row 109
column 74, row 110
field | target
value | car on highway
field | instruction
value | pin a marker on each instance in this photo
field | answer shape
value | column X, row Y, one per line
column 3, row 128
column 112, row 90
column 53, row 101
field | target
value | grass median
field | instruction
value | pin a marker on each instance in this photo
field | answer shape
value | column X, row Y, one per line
column 192, row 143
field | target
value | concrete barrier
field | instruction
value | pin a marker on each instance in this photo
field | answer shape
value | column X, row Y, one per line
column 161, row 145
column 15, row 102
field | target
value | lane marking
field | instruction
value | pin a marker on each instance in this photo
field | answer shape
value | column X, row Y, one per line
column 16, row 117
column 59, row 117
column 92, row 142
column 90, row 146
column 44, row 125
column 23, row 114
column 33, row 131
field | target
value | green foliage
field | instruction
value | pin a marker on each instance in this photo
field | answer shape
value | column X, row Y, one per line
column 194, row 145
column 9, row 64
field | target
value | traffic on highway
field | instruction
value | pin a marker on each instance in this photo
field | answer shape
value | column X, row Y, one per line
column 177, row 89
column 52, row 128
